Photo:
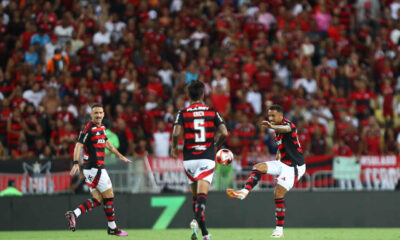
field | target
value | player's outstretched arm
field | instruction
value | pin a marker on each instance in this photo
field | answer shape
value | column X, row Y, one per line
column 278, row 155
column 175, row 137
column 77, row 152
column 223, row 134
column 112, row 149
column 279, row 128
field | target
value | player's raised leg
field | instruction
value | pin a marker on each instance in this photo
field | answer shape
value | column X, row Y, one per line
column 280, row 210
column 85, row 207
column 108, row 202
column 252, row 180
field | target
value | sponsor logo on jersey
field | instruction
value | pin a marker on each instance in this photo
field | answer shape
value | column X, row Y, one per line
column 199, row 148
column 203, row 168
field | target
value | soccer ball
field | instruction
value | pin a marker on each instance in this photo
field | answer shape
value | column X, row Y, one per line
column 224, row 156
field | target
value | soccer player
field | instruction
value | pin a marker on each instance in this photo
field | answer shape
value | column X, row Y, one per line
column 199, row 124
column 289, row 166
column 93, row 139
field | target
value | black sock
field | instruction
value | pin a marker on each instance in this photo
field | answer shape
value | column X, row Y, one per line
column 253, row 179
column 194, row 205
column 199, row 212
column 280, row 211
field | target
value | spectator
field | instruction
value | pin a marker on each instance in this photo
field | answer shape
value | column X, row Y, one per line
column 245, row 131
column 40, row 38
column 254, row 97
column 102, row 36
column 198, row 36
column 51, row 102
column 30, row 125
column 319, row 143
column 221, row 101
column 341, row 149
column 14, row 129
column 307, row 82
column 115, row 27
column 106, row 54
column 166, row 74
column 22, row 152
column 265, row 17
column 307, row 48
column 64, row 31
column 220, row 80
column 125, row 137
column 5, row 114
column 372, row 140
column 394, row 9
column 323, row 18
column 161, row 140
column 192, row 73
column 142, row 148
column 31, row 56
column 58, row 63
column 50, row 48
column 76, row 44
column 362, row 98
column 389, row 142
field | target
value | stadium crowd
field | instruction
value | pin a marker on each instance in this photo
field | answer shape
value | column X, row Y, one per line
column 333, row 65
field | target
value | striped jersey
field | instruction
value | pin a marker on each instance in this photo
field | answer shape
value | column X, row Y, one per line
column 94, row 140
column 289, row 145
column 200, row 123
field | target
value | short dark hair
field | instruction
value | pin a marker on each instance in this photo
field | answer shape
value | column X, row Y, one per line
column 97, row 105
column 276, row 107
column 196, row 90
column 11, row 183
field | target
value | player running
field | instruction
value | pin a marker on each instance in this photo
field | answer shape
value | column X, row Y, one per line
column 289, row 166
column 94, row 141
column 199, row 123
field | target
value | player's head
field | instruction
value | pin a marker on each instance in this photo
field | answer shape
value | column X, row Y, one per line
column 97, row 113
column 275, row 114
column 11, row 183
column 196, row 90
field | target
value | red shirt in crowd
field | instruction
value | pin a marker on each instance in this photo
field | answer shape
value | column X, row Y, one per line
column 343, row 151
column 245, row 132
column 362, row 99
column 220, row 103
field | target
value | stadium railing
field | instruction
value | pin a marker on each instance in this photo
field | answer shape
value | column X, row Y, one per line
column 51, row 176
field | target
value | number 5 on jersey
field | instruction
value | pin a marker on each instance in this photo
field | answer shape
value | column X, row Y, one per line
column 199, row 126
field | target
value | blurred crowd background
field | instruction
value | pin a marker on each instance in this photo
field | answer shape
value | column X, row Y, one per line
column 332, row 64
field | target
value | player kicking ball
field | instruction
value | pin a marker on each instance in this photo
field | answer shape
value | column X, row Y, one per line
column 94, row 141
column 289, row 166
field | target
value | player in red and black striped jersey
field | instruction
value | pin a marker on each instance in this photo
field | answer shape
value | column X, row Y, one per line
column 288, row 143
column 93, row 140
column 201, row 124
column 289, row 166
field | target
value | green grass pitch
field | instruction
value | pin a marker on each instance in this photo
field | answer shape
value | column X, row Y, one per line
column 217, row 234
